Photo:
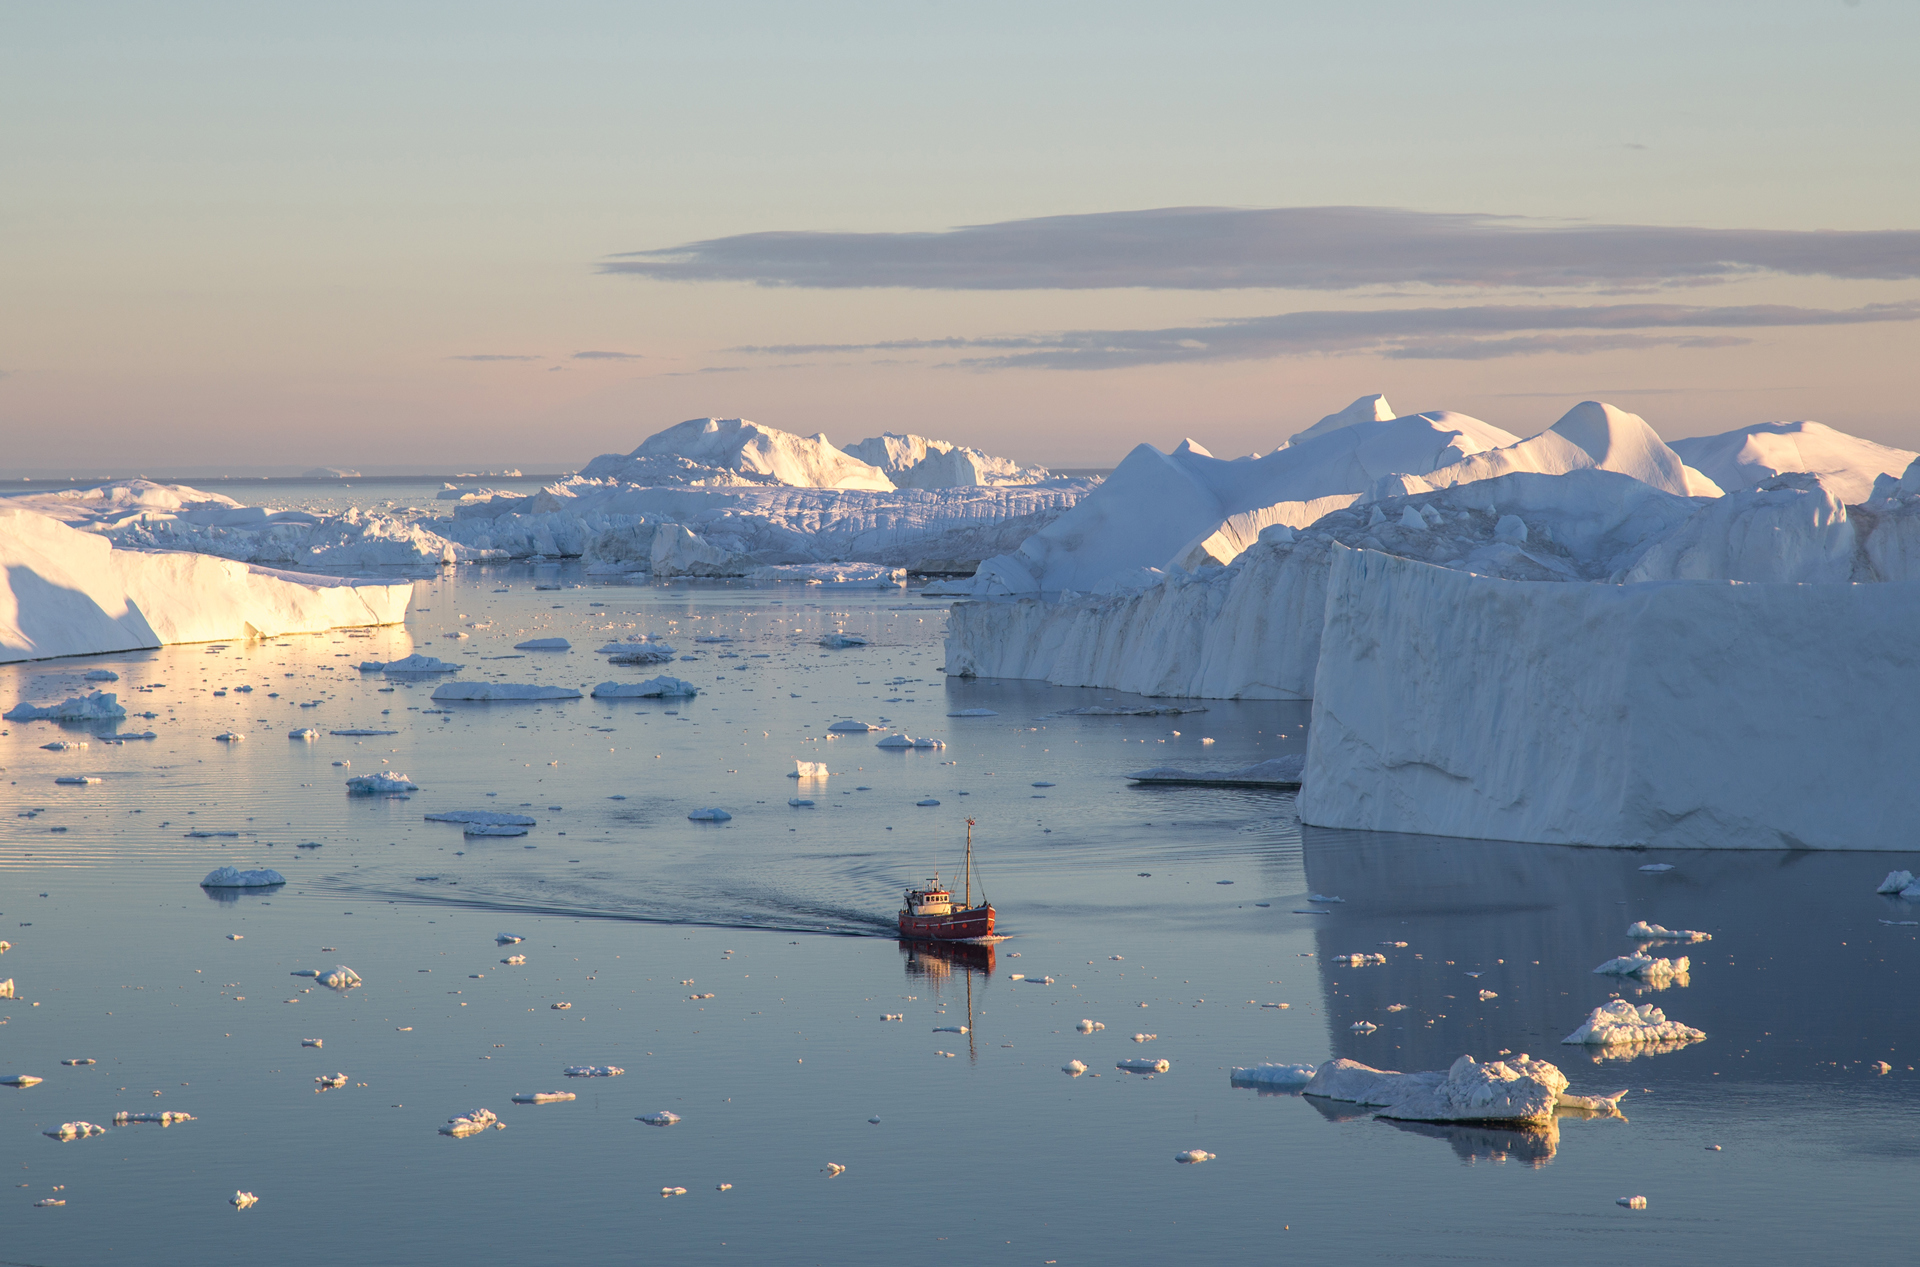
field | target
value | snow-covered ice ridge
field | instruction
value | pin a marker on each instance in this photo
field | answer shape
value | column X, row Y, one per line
column 708, row 497
column 66, row 592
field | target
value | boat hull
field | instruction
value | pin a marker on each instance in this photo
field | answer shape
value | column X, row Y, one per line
column 965, row 925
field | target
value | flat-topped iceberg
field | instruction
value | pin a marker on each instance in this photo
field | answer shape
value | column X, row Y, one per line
column 67, row 592
column 1278, row 1077
column 652, row 688
column 234, row 878
column 378, row 784
column 543, row 644
column 501, row 692
column 1518, row 1089
column 1282, row 772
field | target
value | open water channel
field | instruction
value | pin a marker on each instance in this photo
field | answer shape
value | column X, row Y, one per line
column 740, row 972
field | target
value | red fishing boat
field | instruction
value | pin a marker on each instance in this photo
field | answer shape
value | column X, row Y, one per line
column 931, row 914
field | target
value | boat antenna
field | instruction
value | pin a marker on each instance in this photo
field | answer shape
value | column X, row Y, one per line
column 967, row 897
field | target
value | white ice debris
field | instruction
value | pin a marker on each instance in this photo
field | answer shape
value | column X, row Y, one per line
column 542, row 1097
column 1643, row 931
column 1088, row 1027
column 844, row 575
column 64, row 745
column 908, row 741
column 1282, row 772
column 1074, row 1067
column 96, row 706
column 501, row 691
column 77, row 780
column 70, row 592
column 1632, row 1203
column 339, row 977
column 415, row 663
column 514, row 959
column 19, row 1079
column 950, row 1029
column 841, row 640
column 637, row 656
column 74, row 1130
column 331, row 1081
column 492, row 829
column 1658, row 868
column 231, row 736
column 593, row 1071
column 508, row 939
column 1357, row 961
column 710, row 815
column 492, row 818
column 313, row 1042
column 1618, row 1023
column 125, row 1118
column 1900, row 882
column 1285, row 1076
column 242, row 1200
column 305, row 732
column 543, row 644
column 1645, row 967
column 234, row 878
column 835, row 1169
column 472, row 1124
column 927, row 803
column 652, row 688
column 851, row 727
column 1518, row 1089
column 1140, row 1064
column 376, row 784
column 100, row 675
column 799, row 802
column 662, row 1118
column 809, row 770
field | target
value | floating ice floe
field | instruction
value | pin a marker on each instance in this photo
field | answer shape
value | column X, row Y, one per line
column 1519, row 1089
column 101, row 675
column 74, row 1130
column 1618, row 1023
column 64, row 745
column 415, row 663
column 313, row 1042
column 210, row 835
column 542, row 1097
column 242, row 1200
column 331, row 1081
column 339, row 977
column 234, row 878
column 1358, row 961
column 559, row 1007
column 96, row 706
column 1087, row 1027
column 1193, row 1156
column 1280, row 772
column 231, row 736
column 660, row 653
column 949, row 1029
column 1644, row 931
column 799, row 802
column 501, row 692
column 377, row 784
column 1658, row 868
column 908, row 741
column 304, row 732
column 652, row 688
column 929, row 801
column 353, row 734
column 124, row 1118
column 1144, row 1038
column 514, row 959
column 79, row 1060
column 850, row 727
column 19, row 1079
column 543, row 644
column 710, row 815
column 974, row 712
column 1632, row 1203
column 1288, row 1077
column 1141, row 1064
column 507, row 939
column 1074, row 1067
column 1487, row 994
column 835, row 1169
column 472, row 1124
column 593, row 1071
column 1646, row 967
column 1363, row 1027
column 662, row 1118
column 76, row 780
column 486, row 817
column 1901, row 883
column 1321, row 897
column 841, row 640
column 492, row 829
column 809, row 770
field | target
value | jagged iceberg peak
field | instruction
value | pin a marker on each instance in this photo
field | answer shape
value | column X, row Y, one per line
column 1591, row 435
column 1372, row 408
column 1159, row 507
column 912, row 461
column 747, row 451
column 1747, row 457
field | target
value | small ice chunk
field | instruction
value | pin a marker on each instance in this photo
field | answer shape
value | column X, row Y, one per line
column 415, row 663
column 949, row 1029
column 79, row 1060
column 543, row 644
column 242, row 1200
column 313, row 1042
column 1272, row 1075
column 307, row 733
column 1895, row 882
column 1284, row 1006
column 1644, row 931
column 64, row 745
column 1141, row 1064
column 1658, row 867
column 472, row 1124
column 542, row 1097
column 809, row 770
column 231, row 736
column 1632, row 1203
column 1881, row 1067
column 1619, row 1023
column 849, row 727
column 101, row 675
column 507, row 939
column 710, row 815
column 1358, row 961
column 799, row 802
column 559, row 1007
column 1363, row 1027
column 76, row 780
column 19, row 1079
column 1074, row 1067
column 1318, row 897
column 662, row 1118
column 124, row 1118
column 514, row 959
column 74, row 1130
column 1520, row 1089
column 1042, row 784
column 593, row 1071
column 894, row 1016
column 94, row 706
column 234, row 878
column 928, row 801
column 379, row 784
column 339, row 977
column 1646, row 967
column 1193, row 1156
column 1487, row 994
column 835, row 1169
column 1510, row 528
column 330, row 1081
column 840, row 640
column 1088, row 1027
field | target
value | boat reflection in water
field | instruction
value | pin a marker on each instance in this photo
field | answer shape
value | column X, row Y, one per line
column 939, row 959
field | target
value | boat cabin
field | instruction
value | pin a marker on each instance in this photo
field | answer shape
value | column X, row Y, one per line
column 932, row 900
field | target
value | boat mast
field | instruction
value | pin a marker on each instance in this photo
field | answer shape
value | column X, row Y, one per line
column 967, row 898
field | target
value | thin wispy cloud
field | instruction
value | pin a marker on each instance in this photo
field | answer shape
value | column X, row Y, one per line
column 1310, row 248
column 1481, row 332
column 608, row 356
column 495, row 356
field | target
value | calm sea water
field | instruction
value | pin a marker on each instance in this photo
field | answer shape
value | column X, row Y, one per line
column 1181, row 900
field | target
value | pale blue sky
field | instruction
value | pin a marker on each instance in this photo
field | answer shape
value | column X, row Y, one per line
column 266, row 233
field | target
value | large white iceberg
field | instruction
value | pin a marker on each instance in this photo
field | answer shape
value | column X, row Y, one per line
column 64, row 592
column 95, row 706
column 1748, row 457
column 1590, row 436
column 745, row 450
